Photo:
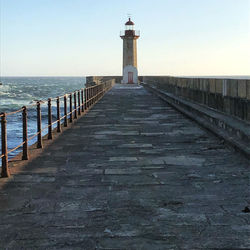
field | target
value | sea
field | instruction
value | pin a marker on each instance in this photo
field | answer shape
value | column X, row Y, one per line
column 16, row 92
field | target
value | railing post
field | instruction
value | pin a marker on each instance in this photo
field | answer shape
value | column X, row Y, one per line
column 65, row 112
column 79, row 103
column 82, row 100
column 39, row 125
column 49, row 120
column 92, row 100
column 70, row 108
column 90, row 96
column 95, row 94
column 75, row 108
column 5, row 167
column 85, row 99
column 25, row 134
column 58, row 115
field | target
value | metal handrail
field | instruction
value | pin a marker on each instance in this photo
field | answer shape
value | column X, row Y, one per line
column 14, row 112
column 82, row 99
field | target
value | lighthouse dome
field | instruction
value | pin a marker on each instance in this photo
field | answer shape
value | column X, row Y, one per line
column 129, row 22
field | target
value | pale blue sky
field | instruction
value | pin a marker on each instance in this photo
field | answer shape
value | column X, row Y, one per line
column 81, row 37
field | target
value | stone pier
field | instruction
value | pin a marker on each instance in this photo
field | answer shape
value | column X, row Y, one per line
column 133, row 173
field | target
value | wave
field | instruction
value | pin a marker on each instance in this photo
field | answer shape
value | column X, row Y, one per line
column 23, row 91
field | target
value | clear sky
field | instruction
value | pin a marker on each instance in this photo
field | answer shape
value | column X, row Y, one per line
column 81, row 37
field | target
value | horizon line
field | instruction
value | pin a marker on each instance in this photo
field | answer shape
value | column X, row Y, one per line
column 121, row 75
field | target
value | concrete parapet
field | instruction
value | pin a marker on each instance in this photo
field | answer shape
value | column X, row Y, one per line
column 101, row 79
column 231, row 96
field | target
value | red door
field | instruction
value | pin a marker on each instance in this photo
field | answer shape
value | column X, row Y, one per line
column 130, row 77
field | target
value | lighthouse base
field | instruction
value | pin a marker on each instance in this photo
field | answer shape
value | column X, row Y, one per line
column 130, row 75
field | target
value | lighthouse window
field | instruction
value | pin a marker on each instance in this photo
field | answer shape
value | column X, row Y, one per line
column 129, row 27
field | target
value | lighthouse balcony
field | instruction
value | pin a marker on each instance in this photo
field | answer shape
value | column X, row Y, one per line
column 129, row 33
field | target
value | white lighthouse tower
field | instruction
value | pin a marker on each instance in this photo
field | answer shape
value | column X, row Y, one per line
column 129, row 37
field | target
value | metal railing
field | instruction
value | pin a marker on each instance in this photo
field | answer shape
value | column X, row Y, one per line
column 130, row 32
column 78, row 102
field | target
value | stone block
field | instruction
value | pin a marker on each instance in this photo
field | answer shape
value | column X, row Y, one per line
column 188, row 83
column 218, row 86
column 196, row 83
column 170, row 80
column 212, row 88
column 191, row 83
column 248, row 89
column 242, row 88
column 123, row 159
column 202, row 84
column 178, row 83
column 232, row 88
column 183, row 83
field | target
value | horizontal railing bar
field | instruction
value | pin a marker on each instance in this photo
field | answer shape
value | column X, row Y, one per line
column 95, row 86
column 31, row 105
column 54, row 122
column 44, row 129
column 55, row 98
column 13, row 149
column 1, row 156
column 63, row 117
column 14, row 112
column 94, row 97
column 30, row 138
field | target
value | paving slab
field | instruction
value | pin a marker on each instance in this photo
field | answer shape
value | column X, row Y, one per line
column 131, row 174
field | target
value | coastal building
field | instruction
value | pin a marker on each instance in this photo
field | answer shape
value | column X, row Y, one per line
column 129, row 37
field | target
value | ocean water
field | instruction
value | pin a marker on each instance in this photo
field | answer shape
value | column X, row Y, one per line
column 16, row 92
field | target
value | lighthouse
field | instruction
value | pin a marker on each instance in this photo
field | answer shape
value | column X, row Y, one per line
column 129, row 37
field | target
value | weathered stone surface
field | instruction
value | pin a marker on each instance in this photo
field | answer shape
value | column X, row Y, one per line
column 132, row 174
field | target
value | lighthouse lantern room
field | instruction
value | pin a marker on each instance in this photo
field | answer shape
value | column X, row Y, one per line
column 129, row 37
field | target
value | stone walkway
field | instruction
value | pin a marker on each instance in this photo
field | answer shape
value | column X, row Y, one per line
column 131, row 174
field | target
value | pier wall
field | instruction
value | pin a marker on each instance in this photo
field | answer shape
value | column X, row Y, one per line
column 230, row 96
column 101, row 79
